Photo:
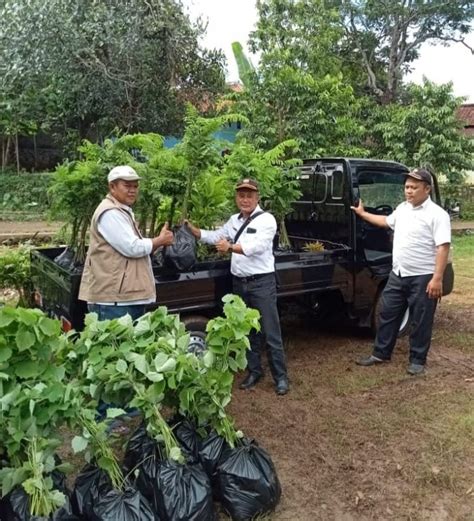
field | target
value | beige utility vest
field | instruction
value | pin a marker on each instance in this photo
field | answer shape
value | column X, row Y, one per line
column 108, row 276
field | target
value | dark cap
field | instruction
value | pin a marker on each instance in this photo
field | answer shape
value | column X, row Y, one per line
column 420, row 174
column 248, row 183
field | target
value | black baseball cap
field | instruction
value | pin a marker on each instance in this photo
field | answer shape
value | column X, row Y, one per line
column 420, row 174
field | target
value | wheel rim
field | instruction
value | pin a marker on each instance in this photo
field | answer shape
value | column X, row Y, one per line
column 197, row 343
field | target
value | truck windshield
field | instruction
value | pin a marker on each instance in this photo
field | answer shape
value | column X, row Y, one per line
column 381, row 188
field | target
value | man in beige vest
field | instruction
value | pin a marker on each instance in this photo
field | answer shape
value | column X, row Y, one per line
column 118, row 277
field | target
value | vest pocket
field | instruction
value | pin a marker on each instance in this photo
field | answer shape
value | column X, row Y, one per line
column 123, row 277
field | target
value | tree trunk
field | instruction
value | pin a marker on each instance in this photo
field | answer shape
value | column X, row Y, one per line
column 17, row 151
column 152, row 231
column 5, row 153
column 35, row 152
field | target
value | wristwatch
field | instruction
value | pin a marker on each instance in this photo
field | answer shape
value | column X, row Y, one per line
column 231, row 248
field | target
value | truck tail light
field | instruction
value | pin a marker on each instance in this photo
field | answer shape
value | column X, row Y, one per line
column 65, row 324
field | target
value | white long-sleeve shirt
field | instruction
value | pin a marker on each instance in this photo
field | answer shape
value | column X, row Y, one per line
column 256, row 242
column 117, row 231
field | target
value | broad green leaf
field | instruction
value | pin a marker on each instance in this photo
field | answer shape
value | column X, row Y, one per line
column 55, row 392
column 168, row 366
column 208, row 359
column 121, row 366
column 28, row 369
column 79, row 444
column 154, row 377
column 24, row 339
column 140, row 363
column 7, row 316
column 27, row 316
column 49, row 326
column 5, row 354
column 114, row 412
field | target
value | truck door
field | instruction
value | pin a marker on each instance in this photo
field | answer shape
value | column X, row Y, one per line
column 380, row 191
column 323, row 211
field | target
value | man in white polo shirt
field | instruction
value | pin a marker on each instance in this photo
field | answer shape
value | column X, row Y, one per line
column 248, row 235
column 421, row 242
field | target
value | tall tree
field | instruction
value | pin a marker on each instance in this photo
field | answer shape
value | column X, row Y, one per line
column 298, row 90
column 386, row 35
column 424, row 130
column 108, row 64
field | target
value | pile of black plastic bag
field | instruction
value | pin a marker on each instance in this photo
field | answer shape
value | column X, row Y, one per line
column 242, row 479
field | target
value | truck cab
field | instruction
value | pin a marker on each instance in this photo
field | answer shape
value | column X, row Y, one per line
column 330, row 186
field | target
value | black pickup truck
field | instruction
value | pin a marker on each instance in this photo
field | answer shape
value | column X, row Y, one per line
column 345, row 277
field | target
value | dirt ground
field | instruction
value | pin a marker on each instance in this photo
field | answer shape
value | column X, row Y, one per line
column 354, row 443
column 358, row 444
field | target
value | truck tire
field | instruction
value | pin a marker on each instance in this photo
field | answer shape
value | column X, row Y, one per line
column 406, row 320
column 196, row 327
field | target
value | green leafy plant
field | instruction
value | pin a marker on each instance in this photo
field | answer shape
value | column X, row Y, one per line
column 15, row 272
column 276, row 172
column 35, row 400
column 205, row 394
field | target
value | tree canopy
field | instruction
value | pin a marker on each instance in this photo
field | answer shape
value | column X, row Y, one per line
column 87, row 68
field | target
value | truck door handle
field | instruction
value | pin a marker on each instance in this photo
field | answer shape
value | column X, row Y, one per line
column 313, row 216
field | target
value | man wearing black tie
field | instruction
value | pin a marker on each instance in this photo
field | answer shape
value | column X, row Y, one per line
column 249, row 236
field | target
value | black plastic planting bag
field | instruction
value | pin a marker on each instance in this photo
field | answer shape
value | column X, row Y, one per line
column 186, row 435
column 16, row 507
column 141, row 461
column 91, row 484
column 128, row 505
column 182, row 492
column 210, row 452
column 177, row 492
column 248, row 483
column 66, row 260
column 181, row 255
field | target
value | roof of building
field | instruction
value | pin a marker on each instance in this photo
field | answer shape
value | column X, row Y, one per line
column 466, row 115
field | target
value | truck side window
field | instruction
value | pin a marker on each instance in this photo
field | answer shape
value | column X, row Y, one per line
column 320, row 187
column 337, row 184
column 306, row 186
column 380, row 189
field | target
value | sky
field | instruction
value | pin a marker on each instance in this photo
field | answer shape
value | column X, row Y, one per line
column 233, row 20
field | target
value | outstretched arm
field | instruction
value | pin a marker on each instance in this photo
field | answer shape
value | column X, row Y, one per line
column 376, row 220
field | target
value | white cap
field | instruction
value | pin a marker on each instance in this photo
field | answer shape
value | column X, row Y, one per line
column 125, row 172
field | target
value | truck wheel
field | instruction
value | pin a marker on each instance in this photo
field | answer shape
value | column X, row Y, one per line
column 406, row 320
column 196, row 327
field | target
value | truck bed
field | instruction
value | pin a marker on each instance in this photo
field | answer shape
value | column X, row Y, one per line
column 196, row 291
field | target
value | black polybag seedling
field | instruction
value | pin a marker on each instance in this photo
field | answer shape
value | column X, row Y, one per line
column 176, row 491
column 248, row 483
column 16, row 507
column 210, row 452
column 181, row 255
column 91, row 483
column 129, row 505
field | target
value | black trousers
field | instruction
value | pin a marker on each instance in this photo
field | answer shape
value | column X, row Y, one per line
column 260, row 293
column 398, row 294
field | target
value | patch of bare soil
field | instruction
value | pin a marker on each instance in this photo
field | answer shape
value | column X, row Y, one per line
column 355, row 443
